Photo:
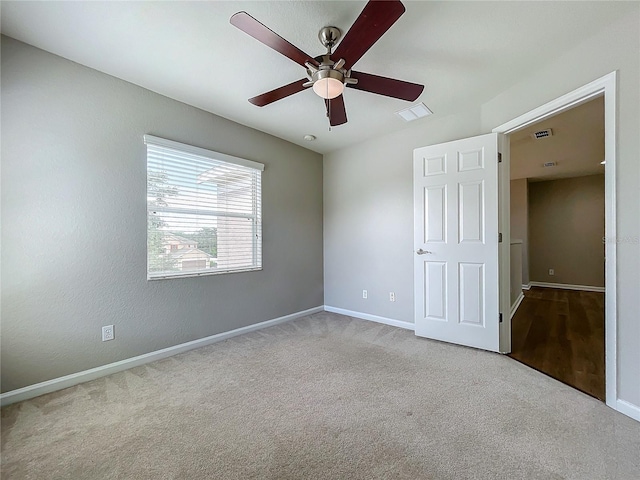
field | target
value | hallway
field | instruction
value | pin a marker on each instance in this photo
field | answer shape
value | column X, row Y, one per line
column 561, row 333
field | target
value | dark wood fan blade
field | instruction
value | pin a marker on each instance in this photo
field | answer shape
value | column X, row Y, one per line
column 336, row 111
column 257, row 30
column 376, row 18
column 278, row 93
column 386, row 86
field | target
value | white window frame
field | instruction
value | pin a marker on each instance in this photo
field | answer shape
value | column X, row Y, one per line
column 257, row 217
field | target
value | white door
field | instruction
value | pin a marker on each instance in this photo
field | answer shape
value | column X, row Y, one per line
column 456, row 242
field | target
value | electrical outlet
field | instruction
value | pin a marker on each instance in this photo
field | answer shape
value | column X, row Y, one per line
column 107, row 333
column 552, row 271
column 365, row 294
column 392, row 297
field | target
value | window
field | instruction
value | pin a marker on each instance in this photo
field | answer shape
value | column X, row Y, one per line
column 203, row 211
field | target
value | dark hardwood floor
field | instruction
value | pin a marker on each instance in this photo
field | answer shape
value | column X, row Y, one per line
column 561, row 333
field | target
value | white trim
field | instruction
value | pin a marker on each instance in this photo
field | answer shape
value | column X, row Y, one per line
column 567, row 286
column 504, row 247
column 606, row 85
column 197, row 273
column 516, row 304
column 560, row 104
column 203, row 152
column 526, row 286
column 55, row 384
column 629, row 409
column 611, row 276
column 372, row 318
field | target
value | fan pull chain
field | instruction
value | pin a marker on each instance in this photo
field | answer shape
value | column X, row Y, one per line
column 329, row 105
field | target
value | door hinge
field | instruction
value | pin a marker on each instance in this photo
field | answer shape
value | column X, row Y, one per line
column 500, row 317
column 499, row 157
column 499, row 238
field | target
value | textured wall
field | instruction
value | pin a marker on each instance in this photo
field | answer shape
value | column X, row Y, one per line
column 74, row 222
column 566, row 227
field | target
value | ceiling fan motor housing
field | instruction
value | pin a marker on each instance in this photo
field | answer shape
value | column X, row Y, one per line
column 328, row 78
column 329, row 36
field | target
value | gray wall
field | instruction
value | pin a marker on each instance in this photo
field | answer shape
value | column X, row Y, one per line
column 368, row 215
column 74, row 222
column 566, row 228
column 520, row 221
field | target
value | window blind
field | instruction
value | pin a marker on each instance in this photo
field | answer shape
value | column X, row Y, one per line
column 203, row 211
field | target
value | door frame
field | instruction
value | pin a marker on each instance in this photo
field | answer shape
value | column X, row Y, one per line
column 606, row 86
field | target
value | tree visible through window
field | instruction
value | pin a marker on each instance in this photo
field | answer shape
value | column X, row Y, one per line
column 203, row 211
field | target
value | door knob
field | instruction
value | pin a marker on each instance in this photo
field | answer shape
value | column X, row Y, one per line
column 422, row 252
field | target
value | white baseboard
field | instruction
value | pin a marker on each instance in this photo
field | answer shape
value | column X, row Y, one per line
column 516, row 304
column 55, row 384
column 567, row 286
column 526, row 286
column 629, row 409
column 373, row 318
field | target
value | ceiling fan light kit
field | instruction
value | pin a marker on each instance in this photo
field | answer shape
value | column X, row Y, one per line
column 327, row 77
column 328, row 83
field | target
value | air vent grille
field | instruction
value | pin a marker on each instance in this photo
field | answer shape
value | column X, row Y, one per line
column 414, row 112
column 542, row 134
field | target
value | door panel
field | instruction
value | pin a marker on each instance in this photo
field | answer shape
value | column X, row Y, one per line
column 435, row 277
column 456, row 242
column 434, row 166
column 471, row 293
column 435, row 213
column 471, row 215
column 472, row 160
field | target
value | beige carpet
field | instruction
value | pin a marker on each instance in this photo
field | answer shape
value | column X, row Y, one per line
column 325, row 396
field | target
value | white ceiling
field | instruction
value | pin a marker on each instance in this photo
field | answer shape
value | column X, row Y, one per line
column 576, row 145
column 464, row 52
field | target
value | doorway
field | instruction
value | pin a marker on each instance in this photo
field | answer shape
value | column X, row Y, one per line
column 603, row 88
column 557, row 252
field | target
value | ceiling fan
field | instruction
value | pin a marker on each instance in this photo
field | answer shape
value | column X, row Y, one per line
column 328, row 74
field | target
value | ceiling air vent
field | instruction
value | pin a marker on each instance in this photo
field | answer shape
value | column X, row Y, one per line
column 414, row 112
column 542, row 134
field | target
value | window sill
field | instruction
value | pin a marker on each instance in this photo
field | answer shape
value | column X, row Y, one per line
column 169, row 276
